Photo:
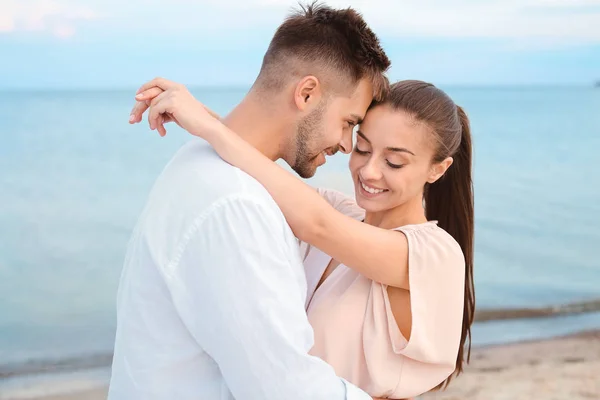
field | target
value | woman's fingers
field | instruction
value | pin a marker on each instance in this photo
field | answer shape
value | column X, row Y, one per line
column 158, row 106
column 161, row 83
column 142, row 103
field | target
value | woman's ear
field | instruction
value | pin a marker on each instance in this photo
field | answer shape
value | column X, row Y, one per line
column 439, row 169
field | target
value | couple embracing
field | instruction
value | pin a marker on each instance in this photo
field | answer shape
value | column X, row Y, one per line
column 241, row 281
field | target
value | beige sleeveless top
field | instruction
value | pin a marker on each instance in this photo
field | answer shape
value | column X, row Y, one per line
column 355, row 330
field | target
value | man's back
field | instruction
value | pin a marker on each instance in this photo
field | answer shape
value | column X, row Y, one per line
column 165, row 315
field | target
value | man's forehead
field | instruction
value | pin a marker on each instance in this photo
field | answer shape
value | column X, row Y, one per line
column 355, row 104
column 358, row 106
column 364, row 89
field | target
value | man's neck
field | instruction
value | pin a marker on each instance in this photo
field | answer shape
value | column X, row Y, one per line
column 256, row 124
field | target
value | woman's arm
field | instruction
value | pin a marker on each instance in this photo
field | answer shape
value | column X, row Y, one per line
column 379, row 254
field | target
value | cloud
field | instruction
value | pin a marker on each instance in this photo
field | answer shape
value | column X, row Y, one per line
column 577, row 20
column 573, row 20
column 57, row 18
column 548, row 21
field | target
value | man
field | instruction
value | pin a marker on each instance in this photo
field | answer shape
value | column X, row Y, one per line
column 211, row 299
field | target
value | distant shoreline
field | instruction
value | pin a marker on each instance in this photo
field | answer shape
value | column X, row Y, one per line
column 44, row 366
column 541, row 312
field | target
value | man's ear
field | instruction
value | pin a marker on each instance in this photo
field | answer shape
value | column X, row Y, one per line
column 308, row 93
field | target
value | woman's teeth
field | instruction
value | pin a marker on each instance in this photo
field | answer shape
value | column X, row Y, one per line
column 370, row 189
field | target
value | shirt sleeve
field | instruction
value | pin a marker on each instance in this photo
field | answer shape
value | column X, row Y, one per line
column 237, row 290
column 436, row 273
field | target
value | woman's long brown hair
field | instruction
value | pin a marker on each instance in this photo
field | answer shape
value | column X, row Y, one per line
column 449, row 200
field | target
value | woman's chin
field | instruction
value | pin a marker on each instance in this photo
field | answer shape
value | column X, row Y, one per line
column 369, row 205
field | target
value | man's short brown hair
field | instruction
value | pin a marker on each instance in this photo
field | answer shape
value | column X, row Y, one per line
column 337, row 44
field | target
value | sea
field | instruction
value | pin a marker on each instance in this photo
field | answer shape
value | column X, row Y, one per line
column 74, row 177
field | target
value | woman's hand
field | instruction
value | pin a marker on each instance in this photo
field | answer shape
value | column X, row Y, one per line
column 169, row 101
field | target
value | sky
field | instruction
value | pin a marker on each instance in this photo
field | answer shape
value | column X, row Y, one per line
column 111, row 44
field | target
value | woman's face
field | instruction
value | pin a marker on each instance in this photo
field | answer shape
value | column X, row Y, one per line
column 391, row 161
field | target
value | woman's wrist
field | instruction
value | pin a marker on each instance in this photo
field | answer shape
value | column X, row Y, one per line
column 225, row 141
column 211, row 130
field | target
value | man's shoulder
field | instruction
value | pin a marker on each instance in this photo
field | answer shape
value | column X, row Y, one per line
column 194, row 182
column 198, row 171
column 197, row 187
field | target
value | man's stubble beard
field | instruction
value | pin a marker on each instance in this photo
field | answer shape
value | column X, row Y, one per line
column 310, row 129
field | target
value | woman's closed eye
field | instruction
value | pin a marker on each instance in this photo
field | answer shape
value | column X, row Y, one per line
column 358, row 151
column 395, row 166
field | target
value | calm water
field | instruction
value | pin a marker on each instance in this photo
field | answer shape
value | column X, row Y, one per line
column 74, row 176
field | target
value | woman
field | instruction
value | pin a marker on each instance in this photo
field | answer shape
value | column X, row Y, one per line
column 390, row 274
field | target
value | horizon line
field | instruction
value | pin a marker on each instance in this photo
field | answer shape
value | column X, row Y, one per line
column 240, row 86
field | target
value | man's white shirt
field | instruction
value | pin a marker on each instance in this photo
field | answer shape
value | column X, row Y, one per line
column 212, row 294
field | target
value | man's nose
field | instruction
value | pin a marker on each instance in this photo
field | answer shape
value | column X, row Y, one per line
column 346, row 143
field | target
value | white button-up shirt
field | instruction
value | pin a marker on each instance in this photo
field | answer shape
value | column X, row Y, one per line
column 211, row 298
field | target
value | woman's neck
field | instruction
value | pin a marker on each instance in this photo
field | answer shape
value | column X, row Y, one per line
column 409, row 213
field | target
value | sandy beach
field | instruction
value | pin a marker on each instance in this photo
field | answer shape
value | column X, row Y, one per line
column 554, row 369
